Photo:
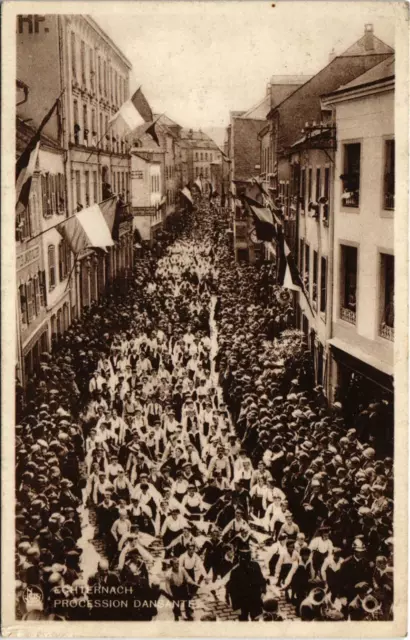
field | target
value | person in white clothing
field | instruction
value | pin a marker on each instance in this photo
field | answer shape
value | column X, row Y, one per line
column 321, row 547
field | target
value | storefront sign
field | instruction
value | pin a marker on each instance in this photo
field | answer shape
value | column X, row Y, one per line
column 143, row 211
column 29, row 256
column 138, row 175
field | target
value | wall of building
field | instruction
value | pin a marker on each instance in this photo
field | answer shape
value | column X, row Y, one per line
column 38, row 57
column 369, row 227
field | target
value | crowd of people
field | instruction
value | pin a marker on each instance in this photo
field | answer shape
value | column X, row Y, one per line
column 185, row 419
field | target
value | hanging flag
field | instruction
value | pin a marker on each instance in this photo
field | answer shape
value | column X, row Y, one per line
column 264, row 227
column 87, row 228
column 188, row 197
column 251, row 202
column 135, row 115
column 198, row 183
column 111, row 210
column 260, row 187
column 152, row 132
column 23, row 184
column 26, row 164
column 288, row 276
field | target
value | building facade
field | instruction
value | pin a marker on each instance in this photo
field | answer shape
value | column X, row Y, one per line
column 302, row 138
column 82, row 160
column 362, row 341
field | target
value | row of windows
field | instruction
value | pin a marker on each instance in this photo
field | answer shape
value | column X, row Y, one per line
column 315, row 191
column 203, row 156
column 64, row 260
column 317, row 295
column 169, row 172
column 349, row 290
column 155, row 186
column 351, row 177
column 202, row 172
column 266, row 161
column 53, row 201
column 87, row 191
column 348, row 284
column 89, row 131
column 32, row 297
column 53, row 194
column 94, row 73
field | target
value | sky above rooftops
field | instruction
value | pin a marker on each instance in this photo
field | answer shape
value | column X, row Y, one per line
column 197, row 61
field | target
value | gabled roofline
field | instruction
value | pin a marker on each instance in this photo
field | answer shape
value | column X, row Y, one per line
column 272, row 111
column 368, row 88
column 373, row 83
column 94, row 25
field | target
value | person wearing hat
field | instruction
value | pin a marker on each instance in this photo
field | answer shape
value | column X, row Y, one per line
column 246, row 587
column 355, row 569
column 299, row 579
column 107, row 513
column 173, row 526
column 311, row 608
column 270, row 611
column 193, row 565
column 356, row 610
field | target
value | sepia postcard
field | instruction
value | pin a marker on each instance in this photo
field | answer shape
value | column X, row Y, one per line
column 204, row 318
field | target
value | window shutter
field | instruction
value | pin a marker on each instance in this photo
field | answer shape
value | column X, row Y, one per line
column 37, row 295
column 43, row 293
column 23, row 303
column 29, row 301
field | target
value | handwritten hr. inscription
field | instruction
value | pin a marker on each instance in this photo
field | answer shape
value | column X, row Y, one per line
column 31, row 24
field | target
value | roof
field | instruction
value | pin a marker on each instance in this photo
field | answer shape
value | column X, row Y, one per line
column 258, row 111
column 289, row 80
column 94, row 24
column 304, row 104
column 25, row 132
column 163, row 119
column 198, row 138
column 368, row 45
column 382, row 71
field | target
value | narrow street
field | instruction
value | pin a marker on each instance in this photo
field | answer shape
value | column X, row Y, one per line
column 190, row 255
column 204, row 361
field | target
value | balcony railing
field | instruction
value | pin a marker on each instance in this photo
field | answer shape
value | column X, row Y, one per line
column 348, row 315
column 350, row 199
column 386, row 332
column 389, row 200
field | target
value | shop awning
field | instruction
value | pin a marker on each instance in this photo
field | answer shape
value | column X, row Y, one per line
column 50, row 162
column 358, row 360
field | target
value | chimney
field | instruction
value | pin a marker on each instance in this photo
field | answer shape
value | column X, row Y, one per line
column 332, row 55
column 368, row 37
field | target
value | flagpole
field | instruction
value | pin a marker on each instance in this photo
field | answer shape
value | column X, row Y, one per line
column 44, row 120
column 66, row 220
column 71, row 272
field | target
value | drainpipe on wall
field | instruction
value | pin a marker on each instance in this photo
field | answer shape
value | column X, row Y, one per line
column 331, row 271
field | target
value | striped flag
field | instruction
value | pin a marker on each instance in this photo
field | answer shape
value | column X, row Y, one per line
column 288, row 275
column 87, row 228
column 26, row 164
column 111, row 210
column 135, row 115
